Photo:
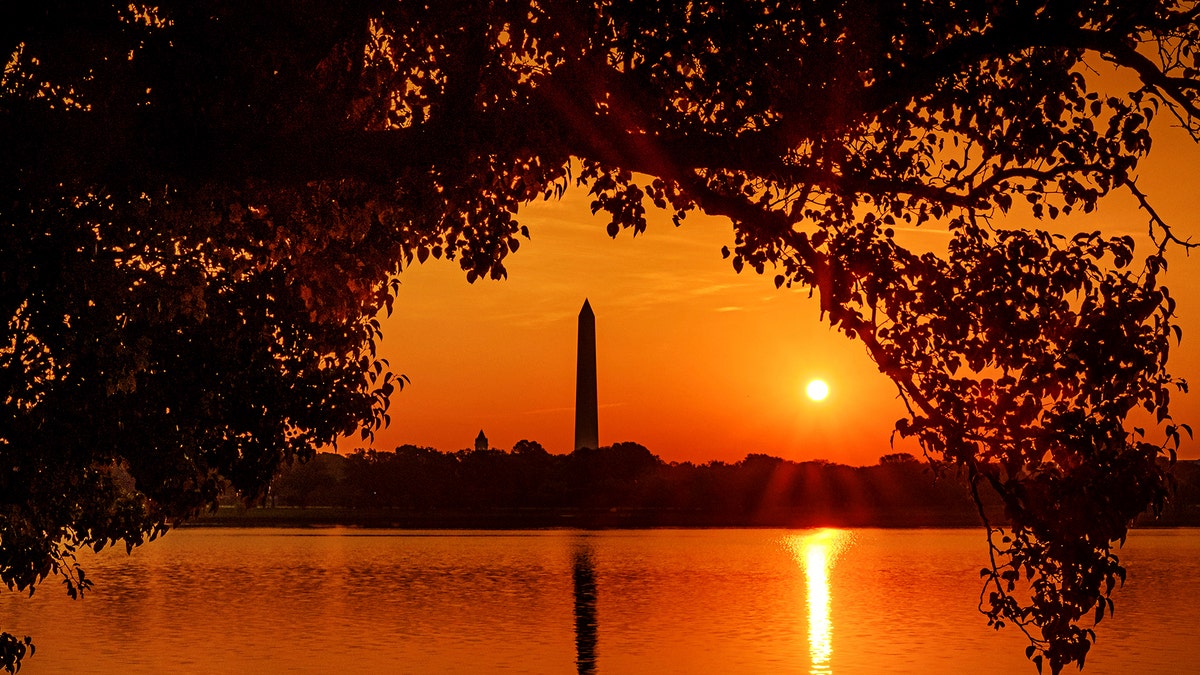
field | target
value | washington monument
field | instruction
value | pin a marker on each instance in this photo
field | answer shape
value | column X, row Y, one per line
column 587, row 434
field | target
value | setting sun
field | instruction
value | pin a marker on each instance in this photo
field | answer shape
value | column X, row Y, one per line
column 817, row 390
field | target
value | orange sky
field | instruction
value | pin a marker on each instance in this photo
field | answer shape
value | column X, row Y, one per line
column 694, row 361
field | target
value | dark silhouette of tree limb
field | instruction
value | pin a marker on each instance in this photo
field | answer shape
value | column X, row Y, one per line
column 207, row 203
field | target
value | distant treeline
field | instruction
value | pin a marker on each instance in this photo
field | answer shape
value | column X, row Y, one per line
column 626, row 484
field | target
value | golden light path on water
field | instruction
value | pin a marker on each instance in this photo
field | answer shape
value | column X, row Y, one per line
column 816, row 553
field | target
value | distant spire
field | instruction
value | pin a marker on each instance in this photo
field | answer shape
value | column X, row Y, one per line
column 481, row 441
column 587, row 433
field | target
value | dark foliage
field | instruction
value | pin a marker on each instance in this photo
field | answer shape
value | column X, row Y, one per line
column 627, row 477
column 425, row 486
column 205, row 205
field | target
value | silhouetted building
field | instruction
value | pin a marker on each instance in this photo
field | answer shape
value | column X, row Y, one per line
column 481, row 442
column 587, row 434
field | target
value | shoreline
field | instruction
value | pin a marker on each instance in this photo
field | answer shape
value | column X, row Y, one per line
column 613, row 518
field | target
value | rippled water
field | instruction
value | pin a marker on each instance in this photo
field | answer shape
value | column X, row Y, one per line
column 686, row 601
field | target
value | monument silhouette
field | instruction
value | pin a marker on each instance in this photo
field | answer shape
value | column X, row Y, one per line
column 587, row 434
column 586, row 622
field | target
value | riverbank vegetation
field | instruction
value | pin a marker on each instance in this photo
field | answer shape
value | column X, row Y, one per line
column 207, row 205
column 626, row 485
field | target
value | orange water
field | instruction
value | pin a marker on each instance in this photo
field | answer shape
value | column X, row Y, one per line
column 653, row 601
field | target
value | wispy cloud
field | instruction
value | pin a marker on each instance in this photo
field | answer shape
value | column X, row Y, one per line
column 545, row 411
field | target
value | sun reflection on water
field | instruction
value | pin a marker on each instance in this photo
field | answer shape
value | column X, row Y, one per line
column 816, row 553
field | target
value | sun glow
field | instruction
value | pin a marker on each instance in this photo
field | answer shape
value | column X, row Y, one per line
column 817, row 390
column 816, row 553
column 820, row 629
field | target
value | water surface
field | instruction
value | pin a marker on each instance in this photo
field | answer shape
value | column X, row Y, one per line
column 684, row 601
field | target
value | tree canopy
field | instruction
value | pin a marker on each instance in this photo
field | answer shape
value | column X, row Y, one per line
column 206, row 205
